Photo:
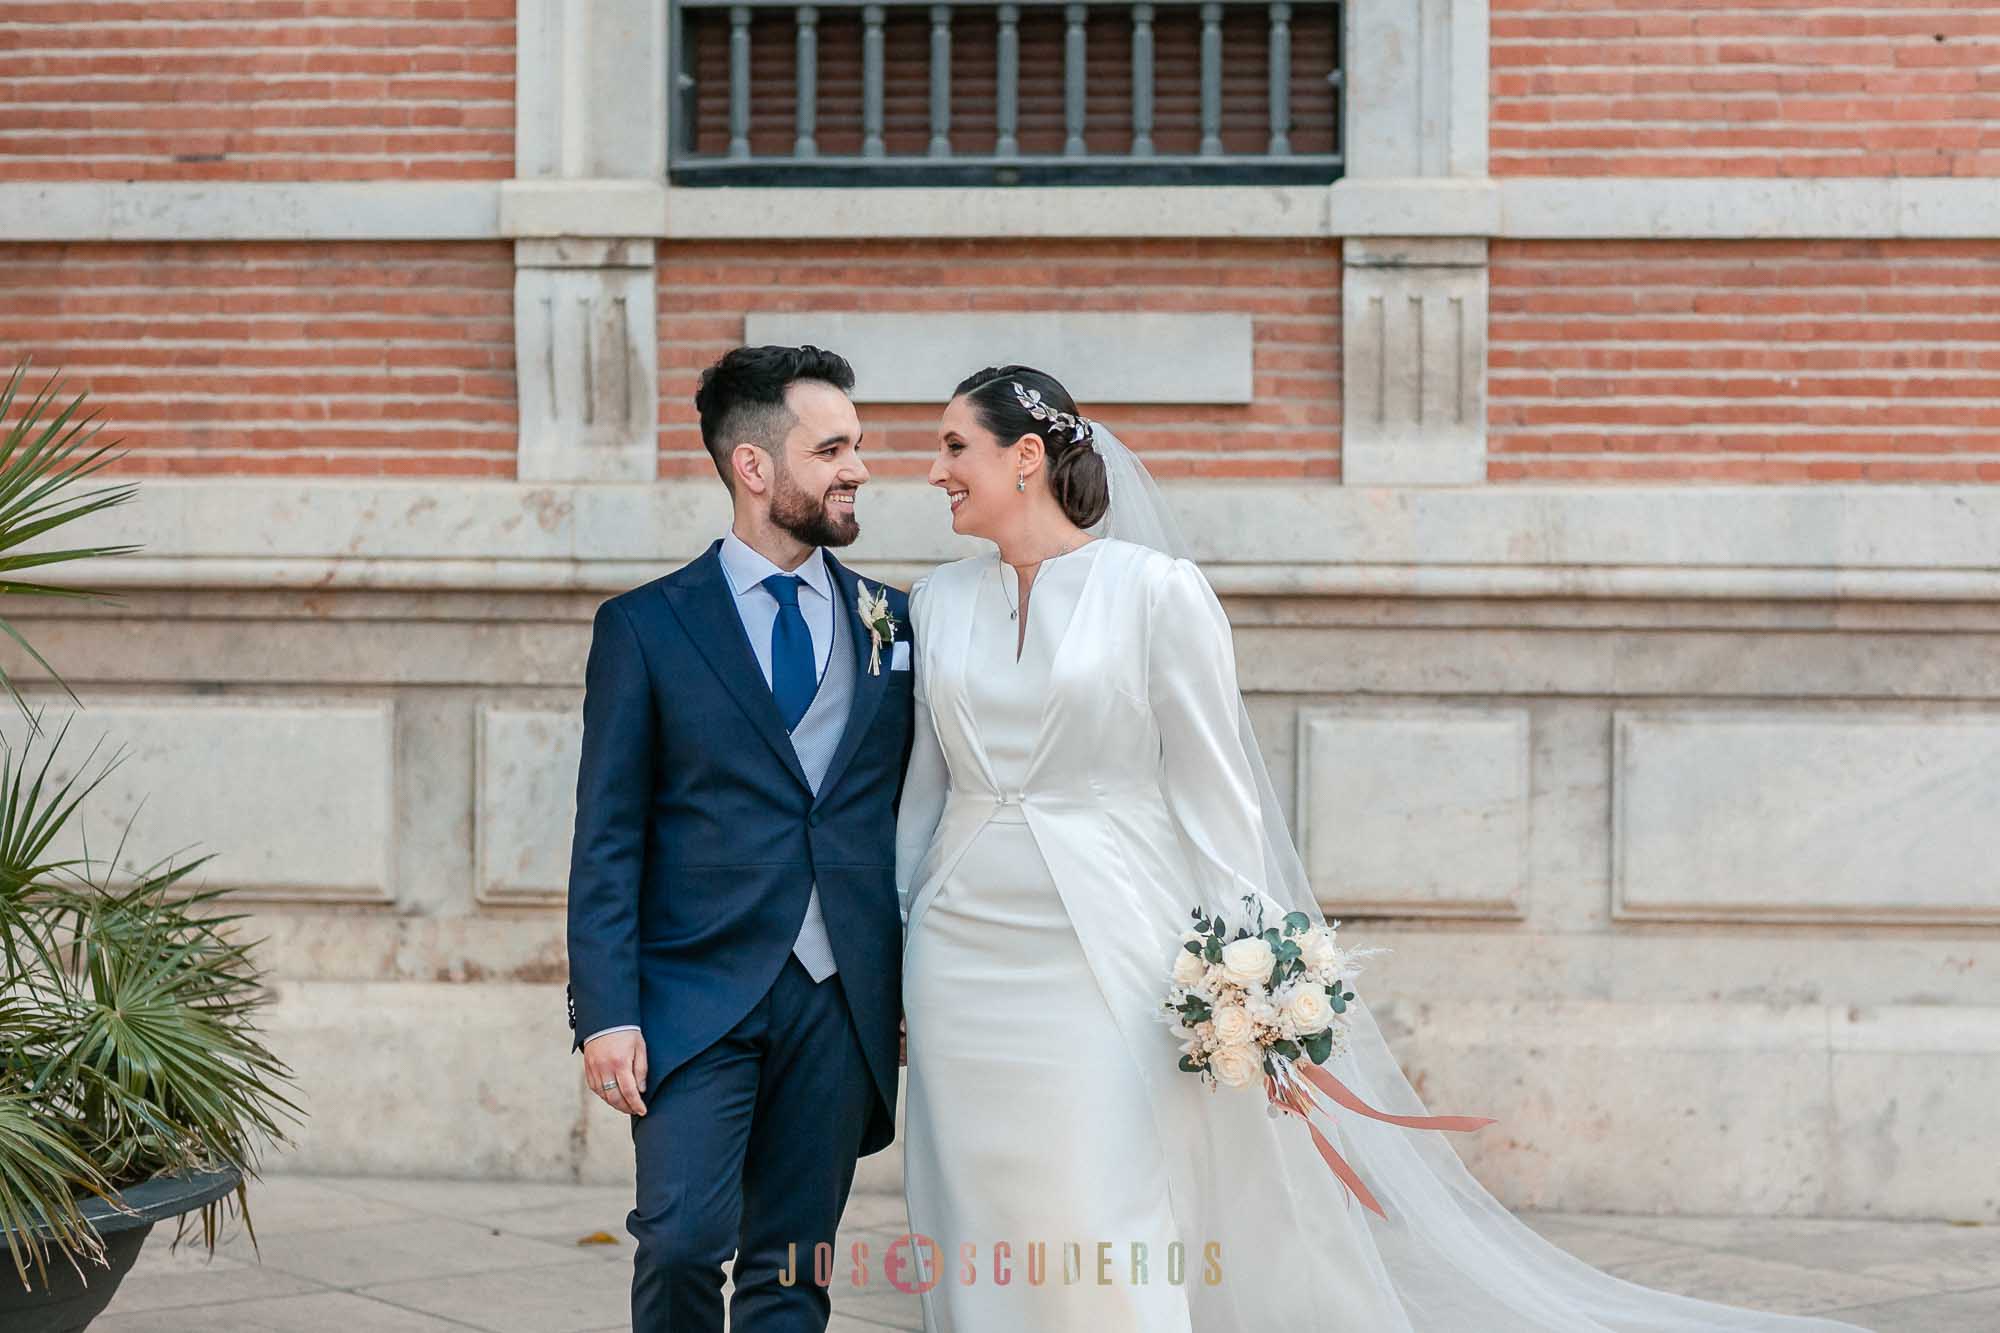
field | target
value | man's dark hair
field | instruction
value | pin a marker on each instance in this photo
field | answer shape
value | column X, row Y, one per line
column 742, row 397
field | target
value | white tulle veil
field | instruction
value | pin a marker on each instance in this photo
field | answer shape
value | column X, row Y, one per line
column 1451, row 1258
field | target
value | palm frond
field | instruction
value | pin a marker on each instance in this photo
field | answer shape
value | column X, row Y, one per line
column 45, row 455
column 38, row 1209
column 128, row 1037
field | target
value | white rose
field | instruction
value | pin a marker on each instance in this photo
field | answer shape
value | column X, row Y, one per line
column 1247, row 962
column 1188, row 968
column 1318, row 950
column 1310, row 1011
column 1236, row 1066
column 1233, row 1025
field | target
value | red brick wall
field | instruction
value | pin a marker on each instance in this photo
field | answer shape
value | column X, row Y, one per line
column 357, row 359
column 1745, row 88
column 1745, row 361
column 1290, row 288
column 257, row 90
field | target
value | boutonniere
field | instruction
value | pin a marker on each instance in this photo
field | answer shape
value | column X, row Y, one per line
column 874, row 609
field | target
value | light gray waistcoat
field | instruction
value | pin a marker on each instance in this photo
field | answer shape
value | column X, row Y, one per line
column 814, row 740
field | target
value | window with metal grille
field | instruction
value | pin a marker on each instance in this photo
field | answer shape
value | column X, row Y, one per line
column 1015, row 94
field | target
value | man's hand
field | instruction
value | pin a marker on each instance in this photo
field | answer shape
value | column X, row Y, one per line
column 620, row 1056
column 903, row 1042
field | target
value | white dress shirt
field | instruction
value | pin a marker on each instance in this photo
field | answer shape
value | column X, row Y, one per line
column 746, row 569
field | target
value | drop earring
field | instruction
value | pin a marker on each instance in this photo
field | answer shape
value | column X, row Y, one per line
column 1021, row 483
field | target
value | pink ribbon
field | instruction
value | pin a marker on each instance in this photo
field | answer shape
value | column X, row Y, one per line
column 1294, row 1100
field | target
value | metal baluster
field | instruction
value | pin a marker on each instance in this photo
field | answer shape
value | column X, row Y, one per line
column 1281, row 79
column 940, row 81
column 1211, row 79
column 1007, row 81
column 739, row 80
column 680, row 87
column 807, row 116
column 871, row 81
column 1142, row 80
column 1338, row 79
column 1074, row 79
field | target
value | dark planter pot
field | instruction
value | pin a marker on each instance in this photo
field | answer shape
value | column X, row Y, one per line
column 66, row 1304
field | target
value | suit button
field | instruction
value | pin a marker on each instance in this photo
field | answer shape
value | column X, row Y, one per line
column 813, row 819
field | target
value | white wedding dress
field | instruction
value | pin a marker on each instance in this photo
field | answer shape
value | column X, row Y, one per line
column 1061, row 816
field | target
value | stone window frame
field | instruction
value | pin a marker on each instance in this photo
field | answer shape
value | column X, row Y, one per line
column 592, row 135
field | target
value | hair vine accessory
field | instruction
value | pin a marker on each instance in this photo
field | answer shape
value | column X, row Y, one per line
column 1076, row 427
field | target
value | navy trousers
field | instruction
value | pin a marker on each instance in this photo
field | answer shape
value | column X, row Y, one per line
column 748, row 1149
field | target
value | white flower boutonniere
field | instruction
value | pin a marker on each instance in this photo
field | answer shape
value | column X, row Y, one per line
column 874, row 609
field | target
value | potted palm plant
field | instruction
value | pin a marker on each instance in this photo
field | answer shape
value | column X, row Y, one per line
column 133, row 1083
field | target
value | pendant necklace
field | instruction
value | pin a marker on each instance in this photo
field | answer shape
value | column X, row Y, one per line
column 1013, row 608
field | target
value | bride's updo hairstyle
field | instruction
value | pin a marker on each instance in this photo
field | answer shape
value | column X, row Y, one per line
column 1076, row 472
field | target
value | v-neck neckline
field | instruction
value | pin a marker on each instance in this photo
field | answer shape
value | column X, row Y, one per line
column 1058, row 654
column 1020, row 608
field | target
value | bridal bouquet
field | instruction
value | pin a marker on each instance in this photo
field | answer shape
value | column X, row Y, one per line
column 1242, row 1003
column 1272, row 1001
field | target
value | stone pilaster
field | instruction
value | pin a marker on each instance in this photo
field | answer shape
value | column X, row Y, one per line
column 1414, row 310
column 585, row 357
column 592, row 107
column 1413, row 352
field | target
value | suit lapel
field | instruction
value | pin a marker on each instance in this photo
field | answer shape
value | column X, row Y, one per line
column 868, row 689
column 706, row 608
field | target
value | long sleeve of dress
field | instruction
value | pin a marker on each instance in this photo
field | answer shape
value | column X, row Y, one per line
column 1210, row 786
column 926, row 780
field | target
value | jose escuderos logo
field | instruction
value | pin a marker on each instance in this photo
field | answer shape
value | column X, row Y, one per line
column 913, row 1263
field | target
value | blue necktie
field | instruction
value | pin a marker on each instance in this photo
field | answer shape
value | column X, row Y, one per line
column 793, row 679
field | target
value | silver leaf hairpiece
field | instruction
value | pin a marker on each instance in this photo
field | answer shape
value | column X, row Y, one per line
column 1076, row 427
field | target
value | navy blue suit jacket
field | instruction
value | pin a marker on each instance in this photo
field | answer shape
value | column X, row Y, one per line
column 698, row 838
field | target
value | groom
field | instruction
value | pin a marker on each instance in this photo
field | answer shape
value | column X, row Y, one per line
column 734, row 941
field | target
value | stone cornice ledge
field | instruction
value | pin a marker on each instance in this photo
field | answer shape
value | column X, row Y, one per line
column 1516, row 207
column 249, row 211
column 1915, row 543
column 1924, row 208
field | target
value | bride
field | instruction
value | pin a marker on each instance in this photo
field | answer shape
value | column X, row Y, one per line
column 1083, row 774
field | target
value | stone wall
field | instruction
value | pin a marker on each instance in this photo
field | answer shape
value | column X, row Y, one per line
column 1674, row 808
column 1607, row 524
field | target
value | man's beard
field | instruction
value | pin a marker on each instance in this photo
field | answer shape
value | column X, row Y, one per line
column 812, row 520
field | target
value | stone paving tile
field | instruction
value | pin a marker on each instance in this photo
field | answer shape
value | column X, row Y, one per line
column 1959, row 1312
column 1935, row 1256
column 568, row 1298
column 302, row 1203
column 878, row 1302
column 419, row 1256
column 843, row 1324
column 320, row 1313
column 1733, row 1234
column 565, row 1222
column 1762, row 1284
column 164, row 1277
column 1602, row 1247
column 469, row 1199
column 871, row 1212
column 422, row 1247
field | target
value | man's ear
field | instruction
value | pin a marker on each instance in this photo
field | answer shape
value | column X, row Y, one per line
column 752, row 468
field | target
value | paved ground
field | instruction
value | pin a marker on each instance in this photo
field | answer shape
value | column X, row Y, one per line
column 365, row 1255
